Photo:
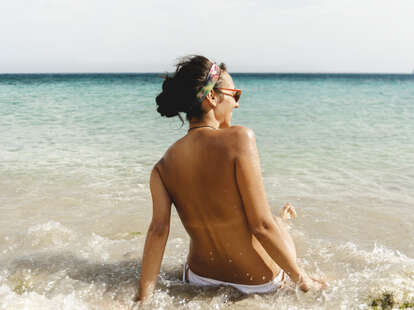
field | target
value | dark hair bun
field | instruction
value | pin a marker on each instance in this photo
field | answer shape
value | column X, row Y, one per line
column 178, row 95
column 167, row 100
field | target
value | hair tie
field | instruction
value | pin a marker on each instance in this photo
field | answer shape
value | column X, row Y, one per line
column 212, row 78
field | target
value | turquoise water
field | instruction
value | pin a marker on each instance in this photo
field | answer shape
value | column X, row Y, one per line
column 75, row 156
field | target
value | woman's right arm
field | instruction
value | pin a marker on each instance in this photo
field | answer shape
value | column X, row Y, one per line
column 274, row 238
column 156, row 237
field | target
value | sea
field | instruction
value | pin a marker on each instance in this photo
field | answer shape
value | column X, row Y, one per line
column 76, row 151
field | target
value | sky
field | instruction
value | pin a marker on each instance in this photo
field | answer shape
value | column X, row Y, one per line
column 249, row 36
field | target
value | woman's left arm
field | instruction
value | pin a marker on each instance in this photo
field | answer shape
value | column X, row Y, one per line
column 157, row 236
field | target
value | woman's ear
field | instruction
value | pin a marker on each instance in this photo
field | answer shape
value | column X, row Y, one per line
column 212, row 98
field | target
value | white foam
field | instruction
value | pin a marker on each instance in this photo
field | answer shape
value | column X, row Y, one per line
column 50, row 235
column 34, row 301
column 49, row 226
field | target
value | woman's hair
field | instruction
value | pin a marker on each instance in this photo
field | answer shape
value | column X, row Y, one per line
column 179, row 90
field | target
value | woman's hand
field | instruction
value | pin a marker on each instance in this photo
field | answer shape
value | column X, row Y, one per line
column 307, row 283
column 288, row 212
column 138, row 301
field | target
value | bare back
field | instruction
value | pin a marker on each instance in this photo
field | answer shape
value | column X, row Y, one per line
column 199, row 173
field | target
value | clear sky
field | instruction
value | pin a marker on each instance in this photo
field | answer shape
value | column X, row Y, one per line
column 249, row 36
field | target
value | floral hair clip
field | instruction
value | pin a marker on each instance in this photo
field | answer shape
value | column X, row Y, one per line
column 212, row 78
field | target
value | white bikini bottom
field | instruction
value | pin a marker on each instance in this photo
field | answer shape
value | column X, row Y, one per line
column 195, row 279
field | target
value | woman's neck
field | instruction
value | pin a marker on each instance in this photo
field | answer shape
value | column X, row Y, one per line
column 206, row 120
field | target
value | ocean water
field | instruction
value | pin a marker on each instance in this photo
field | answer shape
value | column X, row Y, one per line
column 75, row 156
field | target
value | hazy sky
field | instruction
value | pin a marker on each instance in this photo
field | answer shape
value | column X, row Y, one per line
column 149, row 36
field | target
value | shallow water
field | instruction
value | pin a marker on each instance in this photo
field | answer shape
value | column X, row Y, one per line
column 75, row 156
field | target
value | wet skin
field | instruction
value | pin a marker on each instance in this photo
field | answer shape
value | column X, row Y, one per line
column 199, row 172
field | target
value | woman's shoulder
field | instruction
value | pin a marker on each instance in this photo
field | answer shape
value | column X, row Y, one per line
column 241, row 132
column 169, row 153
column 239, row 138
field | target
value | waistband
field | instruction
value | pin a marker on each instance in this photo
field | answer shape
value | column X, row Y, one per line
column 271, row 286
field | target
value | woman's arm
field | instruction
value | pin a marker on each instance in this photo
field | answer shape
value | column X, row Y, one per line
column 274, row 238
column 157, row 236
column 287, row 212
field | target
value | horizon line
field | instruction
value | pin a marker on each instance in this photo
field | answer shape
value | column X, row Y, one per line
column 232, row 72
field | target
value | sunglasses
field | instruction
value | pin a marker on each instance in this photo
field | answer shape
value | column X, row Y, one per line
column 236, row 93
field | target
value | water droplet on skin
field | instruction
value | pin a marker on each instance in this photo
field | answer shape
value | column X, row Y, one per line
column 264, row 278
column 211, row 253
column 247, row 274
column 251, row 278
column 230, row 261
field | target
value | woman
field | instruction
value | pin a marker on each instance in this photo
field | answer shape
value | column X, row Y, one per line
column 212, row 176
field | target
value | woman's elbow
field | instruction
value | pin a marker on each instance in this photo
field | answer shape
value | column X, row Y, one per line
column 262, row 228
column 159, row 229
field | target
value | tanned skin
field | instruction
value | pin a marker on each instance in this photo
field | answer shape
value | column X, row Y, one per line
column 213, row 178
